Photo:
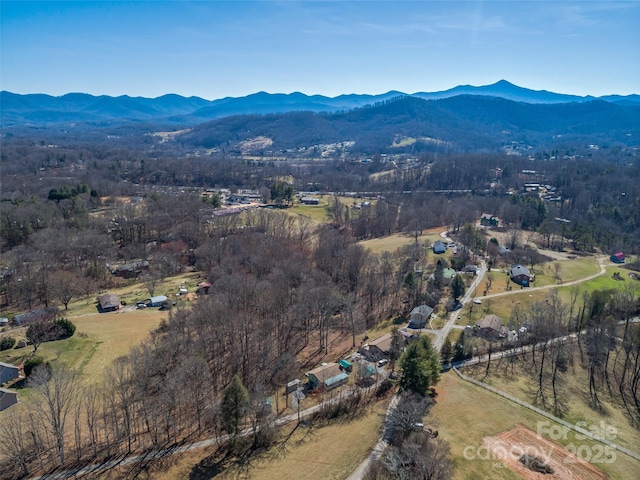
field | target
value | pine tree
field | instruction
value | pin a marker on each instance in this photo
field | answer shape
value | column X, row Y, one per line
column 420, row 365
column 457, row 287
column 235, row 403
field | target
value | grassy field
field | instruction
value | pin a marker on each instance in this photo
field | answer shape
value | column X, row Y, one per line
column 503, row 305
column 318, row 453
column 574, row 385
column 607, row 282
column 319, row 212
column 99, row 339
column 569, row 270
column 465, row 413
column 393, row 242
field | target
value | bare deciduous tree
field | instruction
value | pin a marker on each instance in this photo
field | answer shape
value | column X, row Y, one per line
column 55, row 390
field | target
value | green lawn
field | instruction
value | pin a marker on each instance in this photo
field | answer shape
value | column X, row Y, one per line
column 315, row 212
column 391, row 243
column 99, row 339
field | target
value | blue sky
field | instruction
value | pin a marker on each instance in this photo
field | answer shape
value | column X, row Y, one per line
column 216, row 49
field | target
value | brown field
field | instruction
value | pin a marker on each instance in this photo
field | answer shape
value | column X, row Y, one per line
column 464, row 414
column 312, row 453
column 573, row 389
column 510, row 445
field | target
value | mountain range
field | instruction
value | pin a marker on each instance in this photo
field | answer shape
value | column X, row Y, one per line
column 172, row 109
column 462, row 123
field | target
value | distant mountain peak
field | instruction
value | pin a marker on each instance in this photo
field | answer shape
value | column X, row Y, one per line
column 76, row 107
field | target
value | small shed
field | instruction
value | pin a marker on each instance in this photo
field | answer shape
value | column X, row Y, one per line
column 618, row 257
column 7, row 398
column 109, row 302
column 8, row 372
column 203, row 288
column 292, row 386
column 157, row 301
column 367, row 370
column 345, row 365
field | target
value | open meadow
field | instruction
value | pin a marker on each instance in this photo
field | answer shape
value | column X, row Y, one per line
column 573, row 389
column 99, row 339
column 464, row 414
column 393, row 242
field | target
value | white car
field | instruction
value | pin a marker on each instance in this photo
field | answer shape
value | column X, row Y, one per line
column 383, row 362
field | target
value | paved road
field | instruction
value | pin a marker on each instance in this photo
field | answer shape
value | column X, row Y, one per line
column 442, row 334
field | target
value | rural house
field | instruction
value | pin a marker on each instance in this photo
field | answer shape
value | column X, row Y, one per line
column 131, row 270
column 439, row 247
column 42, row 315
column 419, row 316
column 490, row 327
column 7, row 398
column 327, row 376
column 617, row 257
column 520, row 274
column 8, row 372
column 309, row 201
column 488, row 220
column 379, row 348
column 109, row 302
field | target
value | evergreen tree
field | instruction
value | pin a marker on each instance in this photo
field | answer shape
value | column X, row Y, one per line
column 395, row 350
column 446, row 352
column 235, row 403
column 457, row 287
column 438, row 275
column 420, row 365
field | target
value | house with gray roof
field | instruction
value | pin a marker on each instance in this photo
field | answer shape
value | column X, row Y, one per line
column 419, row 316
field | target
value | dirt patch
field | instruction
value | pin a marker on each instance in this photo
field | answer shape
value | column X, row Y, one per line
column 512, row 445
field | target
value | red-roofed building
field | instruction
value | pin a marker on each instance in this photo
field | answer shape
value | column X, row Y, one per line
column 618, row 257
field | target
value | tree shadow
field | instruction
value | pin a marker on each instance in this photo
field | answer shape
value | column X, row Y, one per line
column 209, row 467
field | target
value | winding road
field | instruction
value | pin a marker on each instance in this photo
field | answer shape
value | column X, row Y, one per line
column 441, row 335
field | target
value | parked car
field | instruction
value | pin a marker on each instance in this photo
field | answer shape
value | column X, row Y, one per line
column 383, row 362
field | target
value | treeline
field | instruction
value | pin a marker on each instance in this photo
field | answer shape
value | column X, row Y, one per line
column 595, row 330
